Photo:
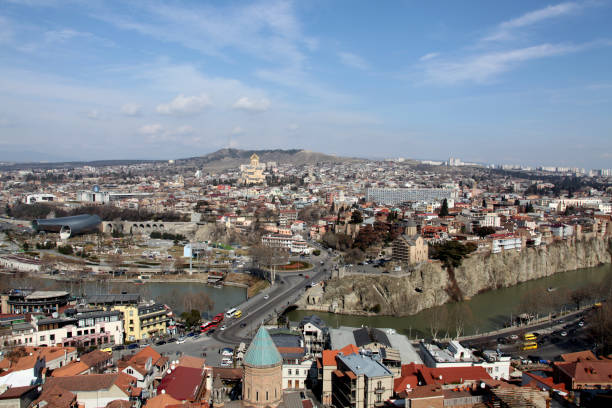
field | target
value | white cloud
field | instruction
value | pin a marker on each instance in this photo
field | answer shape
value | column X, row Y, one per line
column 185, row 105
column 151, row 129
column 237, row 130
column 353, row 60
column 252, row 105
column 484, row 67
column 429, row 56
column 293, row 127
column 131, row 109
column 504, row 30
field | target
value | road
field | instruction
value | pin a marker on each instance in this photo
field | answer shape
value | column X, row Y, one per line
column 289, row 286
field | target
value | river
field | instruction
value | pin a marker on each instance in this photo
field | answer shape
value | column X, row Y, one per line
column 170, row 293
column 484, row 312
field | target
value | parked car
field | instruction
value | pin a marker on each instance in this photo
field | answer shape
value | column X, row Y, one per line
column 266, row 296
column 243, row 324
column 223, row 328
column 160, row 342
column 172, row 340
column 119, row 347
column 132, row 346
column 180, row 340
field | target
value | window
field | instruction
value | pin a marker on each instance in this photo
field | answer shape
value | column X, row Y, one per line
column 68, row 334
column 297, row 383
column 266, row 395
column 79, row 332
column 297, row 372
column 130, row 371
column 378, row 397
column 42, row 338
column 289, row 371
column 52, row 337
column 289, row 383
column 256, row 395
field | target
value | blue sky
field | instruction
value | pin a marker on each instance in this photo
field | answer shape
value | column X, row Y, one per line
column 523, row 82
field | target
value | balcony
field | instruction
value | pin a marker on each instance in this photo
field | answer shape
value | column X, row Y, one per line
column 379, row 390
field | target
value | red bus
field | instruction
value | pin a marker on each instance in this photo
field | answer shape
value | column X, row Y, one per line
column 206, row 327
column 218, row 318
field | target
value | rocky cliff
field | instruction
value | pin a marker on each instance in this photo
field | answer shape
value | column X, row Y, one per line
column 427, row 285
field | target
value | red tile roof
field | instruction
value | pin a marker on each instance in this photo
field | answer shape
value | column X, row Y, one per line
column 182, row 383
column 452, row 375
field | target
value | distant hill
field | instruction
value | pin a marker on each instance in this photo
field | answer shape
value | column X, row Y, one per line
column 229, row 158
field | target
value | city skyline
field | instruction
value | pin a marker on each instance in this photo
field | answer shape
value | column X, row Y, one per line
column 525, row 83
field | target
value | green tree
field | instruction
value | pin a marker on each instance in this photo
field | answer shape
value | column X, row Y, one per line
column 529, row 208
column 444, row 209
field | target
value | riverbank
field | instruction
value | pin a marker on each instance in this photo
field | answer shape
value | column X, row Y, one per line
column 427, row 286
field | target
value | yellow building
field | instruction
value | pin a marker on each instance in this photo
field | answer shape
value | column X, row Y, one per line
column 252, row 173
column 143, row 322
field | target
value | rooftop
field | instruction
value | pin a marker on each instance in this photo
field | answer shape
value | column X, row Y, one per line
column 262, row 352
column 362, row 365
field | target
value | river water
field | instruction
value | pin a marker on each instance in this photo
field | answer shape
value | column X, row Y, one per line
column 484, row 312
column 170, row 293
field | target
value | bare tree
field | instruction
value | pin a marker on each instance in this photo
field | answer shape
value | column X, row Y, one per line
column 198, row 301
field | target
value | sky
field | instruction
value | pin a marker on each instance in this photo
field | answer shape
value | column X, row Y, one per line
column 515, row 82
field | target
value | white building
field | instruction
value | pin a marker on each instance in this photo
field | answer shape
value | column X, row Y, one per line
column 491, row 220
column 87, row 329
column 505, row 242
column 295, row 244
column 455, row 355
column 393, row 196
column 40, row 198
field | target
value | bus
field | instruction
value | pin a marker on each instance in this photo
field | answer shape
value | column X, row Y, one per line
column 230, row 312
column 207, row 326
column 530, row 345
column 218, row 318
column 529, row 337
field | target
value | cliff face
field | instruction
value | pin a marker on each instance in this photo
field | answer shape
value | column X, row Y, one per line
column 426, row 287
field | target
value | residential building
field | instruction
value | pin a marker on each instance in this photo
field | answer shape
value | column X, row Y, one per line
column 360, row 382
column 455, row 355
column 505, row 242
column 395, row 196
column 314, row 331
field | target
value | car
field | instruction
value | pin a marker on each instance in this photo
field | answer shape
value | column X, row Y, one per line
column 300, row 274
column 180, row 340
column 581, row 324
column 502, row 340
column 266, row 296
column 563, row 333
column 160, row 342
column 119, row 347
column 191, row 334
column 147, row 344
column 210, row 332
column 513, row 337
column 107, row 350
column 132, row 346
column 306, row 277
column 222, row 328
column 172, row 340
column 243, row 324
column 227, row 351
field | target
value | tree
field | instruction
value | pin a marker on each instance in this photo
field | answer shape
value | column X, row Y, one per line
column 197, row 301
column 484, row 231
column 579, row 295
column 529, row 208
column 356, row 217
column 444, row 209
column 191, row 318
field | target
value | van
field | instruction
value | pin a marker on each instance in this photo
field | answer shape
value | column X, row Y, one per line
column 230, row 312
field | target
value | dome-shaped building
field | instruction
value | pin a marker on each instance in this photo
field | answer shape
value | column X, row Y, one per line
column 263, row 376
